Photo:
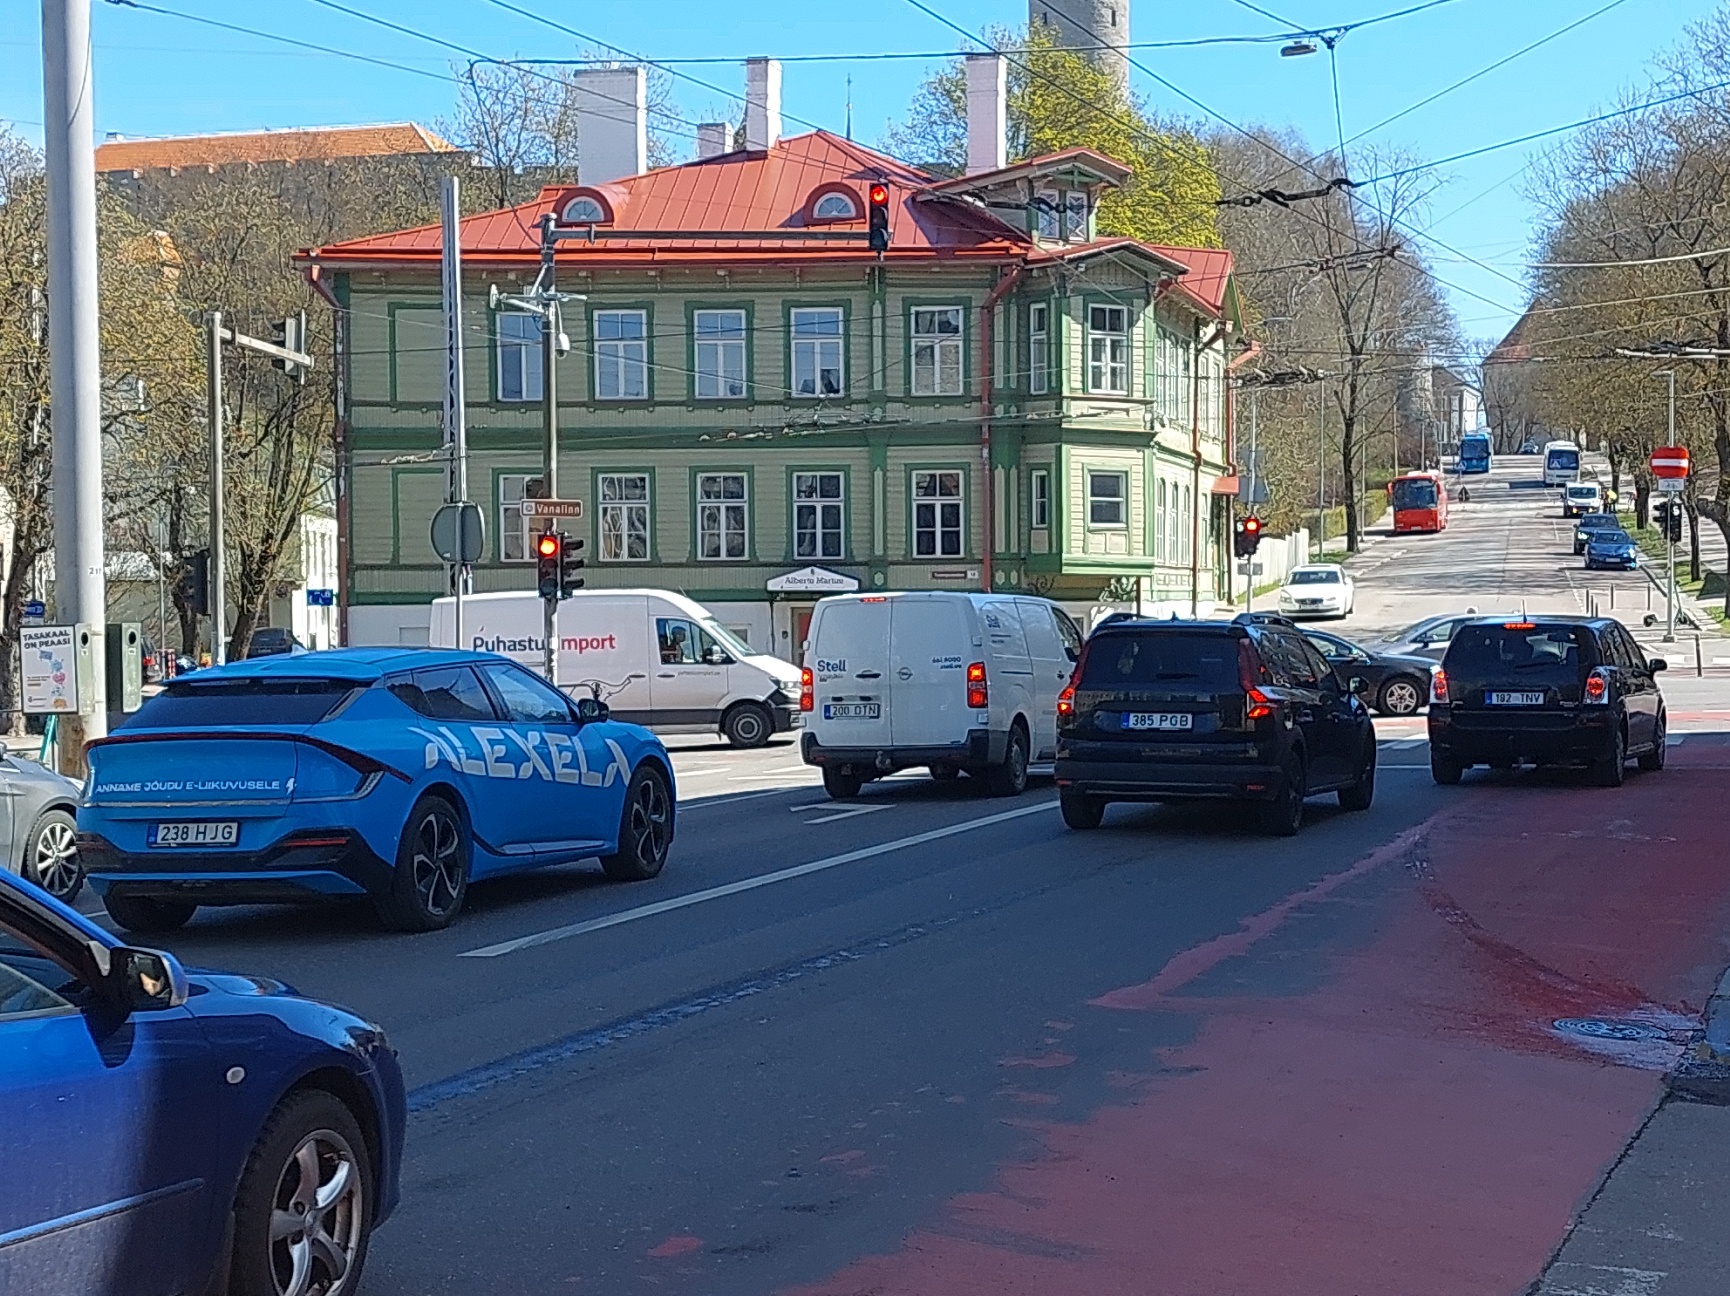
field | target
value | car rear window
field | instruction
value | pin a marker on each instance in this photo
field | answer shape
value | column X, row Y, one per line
column 1200, row 661
column 1523, row 652
column 192, row 704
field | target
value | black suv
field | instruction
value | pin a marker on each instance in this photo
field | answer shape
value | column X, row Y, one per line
column 1550, row 691
column 1200, row 710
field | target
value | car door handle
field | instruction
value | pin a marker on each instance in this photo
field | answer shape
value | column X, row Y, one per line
column 665, row 675
column 869, row 675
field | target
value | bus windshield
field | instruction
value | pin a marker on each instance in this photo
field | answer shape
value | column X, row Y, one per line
column 1414, row 493
column 1567, row 457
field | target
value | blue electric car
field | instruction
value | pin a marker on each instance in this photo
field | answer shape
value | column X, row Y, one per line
column 397, row 774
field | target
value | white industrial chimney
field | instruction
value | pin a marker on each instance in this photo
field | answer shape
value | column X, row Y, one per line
column 987, row 113
column 762, row 103
column 612, row 123
column 714, row 139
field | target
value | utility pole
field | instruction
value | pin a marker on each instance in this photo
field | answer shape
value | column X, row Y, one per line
column 1670, row 585
column 1321, row 469
column 456, row 412
column 80, row 581
column 218, row 594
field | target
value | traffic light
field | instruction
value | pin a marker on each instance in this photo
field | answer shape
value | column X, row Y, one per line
column 571, row 568
column 1237, row 540
column 1670, row 520
column 1251, row 535
column 291, row 336
column 549, row 559
column 877, row 199
column 195, row 582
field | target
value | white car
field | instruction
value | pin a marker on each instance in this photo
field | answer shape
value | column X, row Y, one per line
column 1320, row 590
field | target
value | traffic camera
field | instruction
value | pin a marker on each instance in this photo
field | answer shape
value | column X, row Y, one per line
column 877, row 199
column 549, row 564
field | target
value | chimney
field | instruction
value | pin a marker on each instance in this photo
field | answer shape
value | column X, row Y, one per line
column 612, row 124
column 762, row 103
column 986, row 113
column 714, row 139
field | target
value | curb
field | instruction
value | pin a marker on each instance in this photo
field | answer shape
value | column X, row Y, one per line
column 1703, row 1074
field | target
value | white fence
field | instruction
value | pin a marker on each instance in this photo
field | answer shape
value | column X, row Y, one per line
column 1276, row 557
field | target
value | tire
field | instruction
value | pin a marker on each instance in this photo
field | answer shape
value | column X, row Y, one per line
column 945, row 773
column 748, row 725
column 148, row 914
column 645, row 829
column 431, row 877
column 1284, row 815
column 1613, row 768
column 51, row 856
column 1360, row 794
column 1653, row 761
column 842, row 785
column 1445, row 770
column 1080, row 811
column 311, row 1151
column 1009, row 779
column 1400, row 696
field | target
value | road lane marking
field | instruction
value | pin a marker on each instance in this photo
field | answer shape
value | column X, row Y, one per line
column 749, row 884
column 845, row 814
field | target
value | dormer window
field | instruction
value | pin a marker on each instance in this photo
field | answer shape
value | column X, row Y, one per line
column 832, row 202
column 1075, row 216
column 585, row 209
column 1048, row 203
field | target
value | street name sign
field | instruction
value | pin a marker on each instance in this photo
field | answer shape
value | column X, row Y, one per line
column 552, row 508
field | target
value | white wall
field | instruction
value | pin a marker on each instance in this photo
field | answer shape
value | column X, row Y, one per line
column 389, row 625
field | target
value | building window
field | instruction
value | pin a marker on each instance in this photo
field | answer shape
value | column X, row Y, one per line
column 624, row 516
column 835, row 206
column 1038, row 348
column 513, row 526
column 1075, row 216
column 720, row 353
column 1108, row 350
column 817, row 338
column 1039, row 497
column 819, row 508
column 723, row 516
column 621, row 355
column 583, row 210
column 1186, row 539
column 937, row 351
column 1048, row 204
column 519, row 343
column 1107, row 499
column 1161, row 523
column 937, row 514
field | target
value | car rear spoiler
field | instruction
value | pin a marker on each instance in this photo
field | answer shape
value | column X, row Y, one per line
column 359, row 761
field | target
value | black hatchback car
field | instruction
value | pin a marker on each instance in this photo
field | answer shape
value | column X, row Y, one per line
column 1209, row 710
column 1397, row 684
column 1549, row 691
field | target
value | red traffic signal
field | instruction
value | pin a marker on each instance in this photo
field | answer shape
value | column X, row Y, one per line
column 547, row 546
column 548, row 549
column 877, row 198
column 1252, row 526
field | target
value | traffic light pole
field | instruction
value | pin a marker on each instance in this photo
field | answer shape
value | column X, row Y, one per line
column 217, row 595
column 1670, row 530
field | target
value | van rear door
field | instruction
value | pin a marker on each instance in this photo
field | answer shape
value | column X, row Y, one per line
column 932, row 646
column 850, row 672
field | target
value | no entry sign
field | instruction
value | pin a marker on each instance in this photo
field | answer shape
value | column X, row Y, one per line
column 1669, row 462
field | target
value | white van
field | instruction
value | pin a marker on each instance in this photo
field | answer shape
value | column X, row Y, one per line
column 1581, row 498
column 946, row 680
column 661, row 659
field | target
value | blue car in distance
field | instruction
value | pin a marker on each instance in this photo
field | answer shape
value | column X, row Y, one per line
column 170, row 1133
column 396, row 774
column 1612, row 551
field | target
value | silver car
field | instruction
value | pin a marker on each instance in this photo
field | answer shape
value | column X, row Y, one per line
column 37, row 809
column 1431, row 636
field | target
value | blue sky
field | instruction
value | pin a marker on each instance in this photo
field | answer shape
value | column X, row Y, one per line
column 161, row 75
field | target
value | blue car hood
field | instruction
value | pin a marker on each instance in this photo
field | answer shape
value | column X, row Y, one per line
column 232, row 983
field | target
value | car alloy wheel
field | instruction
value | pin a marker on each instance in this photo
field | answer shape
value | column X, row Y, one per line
column 1400, row 697
column 52, row 861
column 438, row 869
column 1653, row 761
column 1613, row 769
column 318, row 1221
column 645, row 829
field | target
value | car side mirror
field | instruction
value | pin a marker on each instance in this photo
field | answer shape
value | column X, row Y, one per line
column 1657, row 664
column 591, row 709
column 145, row 980
column 1357, row 684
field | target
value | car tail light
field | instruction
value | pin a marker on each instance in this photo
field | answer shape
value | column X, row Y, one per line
column 1066, row 703
column 1598, row 686
column 1257, row 705
column 1438, row 687
column 978, row 691
column 807, row 691
column 1520, row 625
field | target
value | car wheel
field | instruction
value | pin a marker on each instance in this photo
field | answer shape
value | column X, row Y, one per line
column 148, row 914
column 1360, row 794
column 1613, row 768
column 1444, row 769
column 1010, row 778
column 1400, row 696
column 51, row 856
column 431, row 876
column 645, row 829
column 1081, row 811
column 842, row 785
column 1653, row 761
column 748, row 725
column 1284, row 815
column 945, row 773
column 303, row 1210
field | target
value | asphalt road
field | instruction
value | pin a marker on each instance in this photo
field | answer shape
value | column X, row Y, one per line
column 932, row 1042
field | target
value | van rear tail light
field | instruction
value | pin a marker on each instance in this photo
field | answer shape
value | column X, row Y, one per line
column 1066, row 703
column 807, row 691
column 978, row 692
column 1438, row 687
column 1598, row 686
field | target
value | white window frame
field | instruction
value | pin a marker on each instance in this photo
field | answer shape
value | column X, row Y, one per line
column 850, row 212
column 723, row 518
column 513, row 526
column 622, row 358
column 817, row 353
column 1048, row 214
column 1186, row 519
column 1075, row 216
column 624, row 516
column 820, row 520
column 517, row 339
column 1161, row 521
column 937, row 354
column 720, row 357
column 1039, row 498
column 1107, row 350
column 941, row 514
column 1038, row 348
column 1118, row 502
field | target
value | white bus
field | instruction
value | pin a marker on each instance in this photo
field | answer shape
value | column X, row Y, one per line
column 1561, row 463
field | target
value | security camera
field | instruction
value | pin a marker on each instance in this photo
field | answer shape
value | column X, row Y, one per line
column 493, row 296
column 563, row 343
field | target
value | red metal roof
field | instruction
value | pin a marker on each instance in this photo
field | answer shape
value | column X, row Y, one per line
column 306, row 144
column 1208, row 278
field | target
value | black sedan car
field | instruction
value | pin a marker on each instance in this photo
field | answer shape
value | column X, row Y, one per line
column 1398, row 684
column 1590, row 525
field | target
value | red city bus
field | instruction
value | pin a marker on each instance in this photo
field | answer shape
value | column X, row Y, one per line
column 1420, row 502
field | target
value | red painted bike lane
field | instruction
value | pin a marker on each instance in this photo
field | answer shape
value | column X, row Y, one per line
column 1471, row 1048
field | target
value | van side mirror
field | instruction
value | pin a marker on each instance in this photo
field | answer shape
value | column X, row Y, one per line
column 591, row 709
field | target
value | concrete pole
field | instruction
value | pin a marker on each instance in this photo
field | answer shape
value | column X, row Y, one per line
column 213, row 416
column 1321, row 470
column 456, row 412
column 80, row 585
column 549, row 421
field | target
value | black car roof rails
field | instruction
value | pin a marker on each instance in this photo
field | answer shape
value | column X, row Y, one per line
column 1264, row 618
